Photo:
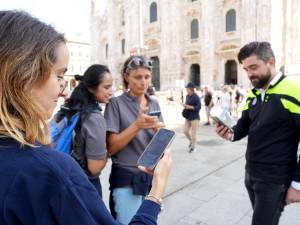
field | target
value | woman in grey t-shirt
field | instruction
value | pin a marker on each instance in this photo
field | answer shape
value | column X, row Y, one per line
column 89, row 144
column 130, row 129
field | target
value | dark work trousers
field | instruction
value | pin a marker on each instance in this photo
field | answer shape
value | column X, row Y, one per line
column 97, row 184
column 267, row 199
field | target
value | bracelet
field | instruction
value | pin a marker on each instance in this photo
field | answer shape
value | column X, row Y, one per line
column 155, row 199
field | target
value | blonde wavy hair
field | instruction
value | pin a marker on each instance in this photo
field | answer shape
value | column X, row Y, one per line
column 27, row 54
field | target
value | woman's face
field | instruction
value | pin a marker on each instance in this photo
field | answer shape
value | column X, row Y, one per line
column 138, row 80
column 104, row 90
column 47, row 92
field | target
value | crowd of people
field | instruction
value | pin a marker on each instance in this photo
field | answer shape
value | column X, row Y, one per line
column 41, row 186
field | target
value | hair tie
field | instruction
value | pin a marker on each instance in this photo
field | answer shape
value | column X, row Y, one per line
column 78, row 77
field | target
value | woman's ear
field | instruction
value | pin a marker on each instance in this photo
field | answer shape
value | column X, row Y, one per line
column 126, row 77
column 93, row 92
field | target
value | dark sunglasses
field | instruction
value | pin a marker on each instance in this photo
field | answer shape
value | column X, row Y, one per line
column 138, row 61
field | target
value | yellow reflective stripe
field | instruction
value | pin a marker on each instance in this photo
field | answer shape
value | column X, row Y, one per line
column 292, row 107
column 288, row 86
column 246, row 106
column 250, row 94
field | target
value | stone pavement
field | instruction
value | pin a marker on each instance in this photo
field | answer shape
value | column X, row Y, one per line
column 206, row 187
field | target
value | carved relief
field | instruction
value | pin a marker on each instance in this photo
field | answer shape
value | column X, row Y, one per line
column 153, row 43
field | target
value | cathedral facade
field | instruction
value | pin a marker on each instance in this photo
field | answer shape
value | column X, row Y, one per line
column 194, row 40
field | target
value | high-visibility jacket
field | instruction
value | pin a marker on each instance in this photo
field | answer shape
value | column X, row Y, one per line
column 273, row 129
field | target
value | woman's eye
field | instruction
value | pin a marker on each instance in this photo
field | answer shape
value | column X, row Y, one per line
column 60, row 77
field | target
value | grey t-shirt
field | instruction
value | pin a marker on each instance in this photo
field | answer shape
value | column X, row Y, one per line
column 120, row 113
column 90, row 141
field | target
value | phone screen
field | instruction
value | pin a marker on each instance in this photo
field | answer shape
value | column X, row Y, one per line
column 155, row 148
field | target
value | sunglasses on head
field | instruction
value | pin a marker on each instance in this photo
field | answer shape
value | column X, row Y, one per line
column 139, row 61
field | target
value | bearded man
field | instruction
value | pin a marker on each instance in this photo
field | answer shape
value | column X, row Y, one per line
column 271, row 119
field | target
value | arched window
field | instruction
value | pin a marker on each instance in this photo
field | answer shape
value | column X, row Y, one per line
column 194, row 29
column 123, row 46
column 230, row 20
column 195, row 74
column 106, row 51
column 153, row 12
column 230, row 72
column 155, row 73
column 122, row 17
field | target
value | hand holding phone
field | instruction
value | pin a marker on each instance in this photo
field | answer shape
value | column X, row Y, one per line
column 154, row 113
column 224, row 132
column 159, row 124
column 219, row 121
column 144, row 121
column 223, row 128
column 155, row 149
column 160, row 174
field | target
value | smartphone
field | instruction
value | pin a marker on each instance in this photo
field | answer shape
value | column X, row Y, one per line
column 219, row 121
column 154, row 113
column 155, row 149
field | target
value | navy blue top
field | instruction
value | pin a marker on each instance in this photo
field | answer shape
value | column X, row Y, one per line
column 194, row 100
column 42, row 186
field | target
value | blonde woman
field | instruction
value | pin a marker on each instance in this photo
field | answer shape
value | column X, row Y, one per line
column 39, row 185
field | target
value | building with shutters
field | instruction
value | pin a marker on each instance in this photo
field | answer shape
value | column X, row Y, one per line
column 79, row 58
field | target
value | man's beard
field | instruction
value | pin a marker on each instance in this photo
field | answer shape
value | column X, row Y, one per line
column 262, row 81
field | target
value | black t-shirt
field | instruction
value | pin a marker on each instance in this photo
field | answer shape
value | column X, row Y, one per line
column 207, row 98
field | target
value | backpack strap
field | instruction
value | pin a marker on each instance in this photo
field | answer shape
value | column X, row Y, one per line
column 84, row 115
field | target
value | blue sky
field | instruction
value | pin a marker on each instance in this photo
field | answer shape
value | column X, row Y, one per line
column 68, row 16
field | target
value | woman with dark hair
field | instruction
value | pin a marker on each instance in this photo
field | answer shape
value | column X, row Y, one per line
column 38, row 185
column 89, row 143
column 130, row 129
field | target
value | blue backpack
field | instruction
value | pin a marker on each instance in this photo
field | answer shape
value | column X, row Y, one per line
column 62, row 132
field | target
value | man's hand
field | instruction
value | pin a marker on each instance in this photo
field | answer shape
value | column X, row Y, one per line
column 292, row 196
column 223, row 132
